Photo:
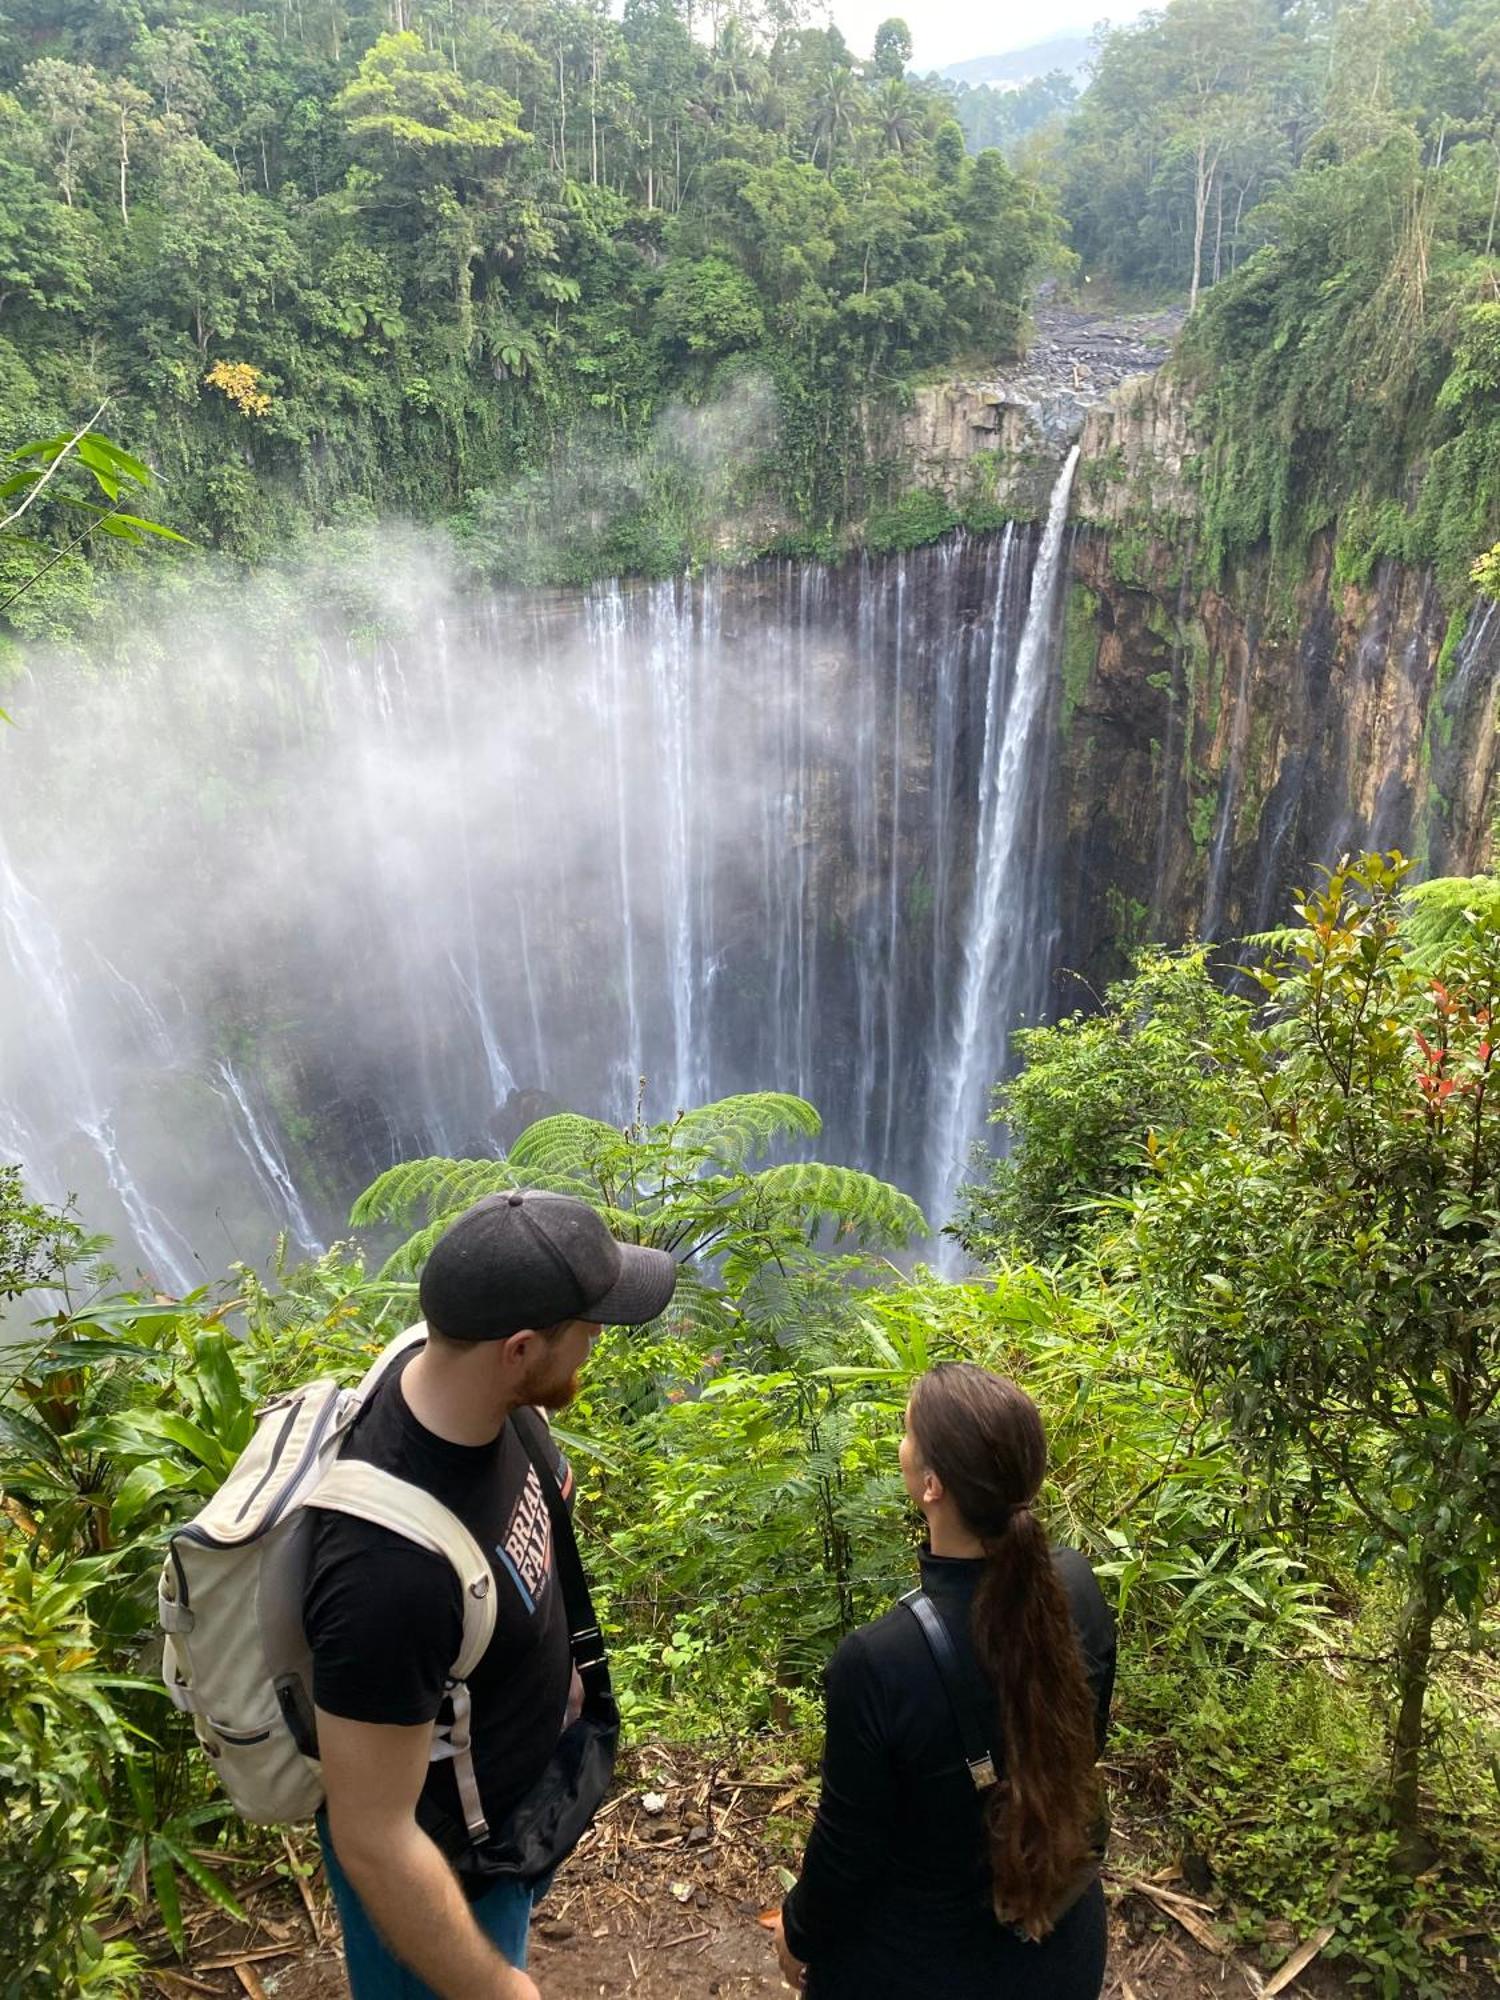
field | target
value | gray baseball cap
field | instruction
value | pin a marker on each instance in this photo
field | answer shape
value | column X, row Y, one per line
column 521, row 1260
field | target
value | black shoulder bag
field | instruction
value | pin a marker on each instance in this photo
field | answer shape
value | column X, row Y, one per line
column 544, row 1828
column 963, row 1700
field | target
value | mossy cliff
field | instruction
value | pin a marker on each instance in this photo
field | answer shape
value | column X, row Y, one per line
column 1222, row 728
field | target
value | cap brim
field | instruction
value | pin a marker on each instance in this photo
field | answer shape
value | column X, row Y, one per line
column 647, row 1280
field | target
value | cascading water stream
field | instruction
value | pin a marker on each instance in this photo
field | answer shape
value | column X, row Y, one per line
column 267, row 1160
column 36, row 951
column 512, row 854
column 999, row 938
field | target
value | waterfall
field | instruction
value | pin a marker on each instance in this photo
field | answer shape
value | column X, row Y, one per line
column 1216, row 887
column 607, row 625
column 508, row 854
column 36, row 953
column 999, row 969
column 267, row 1161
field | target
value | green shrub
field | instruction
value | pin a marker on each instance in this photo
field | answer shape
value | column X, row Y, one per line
column 916, row 518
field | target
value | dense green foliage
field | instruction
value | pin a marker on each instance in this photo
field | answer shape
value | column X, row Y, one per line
column 1301, row 1197
column 471, row 265
column 1325, row 1267
column 1086, row 1107
column 1333, row 173
column 1233, row 1219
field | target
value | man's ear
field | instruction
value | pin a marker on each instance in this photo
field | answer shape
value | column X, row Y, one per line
column 516, row 1348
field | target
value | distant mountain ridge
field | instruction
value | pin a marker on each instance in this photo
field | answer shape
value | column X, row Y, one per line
column 1070, row 53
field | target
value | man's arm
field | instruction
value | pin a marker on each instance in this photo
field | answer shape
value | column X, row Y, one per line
column 373, row 1774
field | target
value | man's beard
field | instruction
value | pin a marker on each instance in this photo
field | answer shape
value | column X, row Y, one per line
column 553, row 1394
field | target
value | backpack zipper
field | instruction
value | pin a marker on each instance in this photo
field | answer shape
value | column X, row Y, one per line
column 193, row 1533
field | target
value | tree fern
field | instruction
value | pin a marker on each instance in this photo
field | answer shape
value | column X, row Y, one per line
column 1437, row 911
column 736, row 1129
column 682, row 1186
column 569, row 1154
column 853, row 1203
column 434, row 1186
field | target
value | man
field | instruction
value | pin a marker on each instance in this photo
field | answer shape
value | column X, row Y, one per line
column 514, row 1295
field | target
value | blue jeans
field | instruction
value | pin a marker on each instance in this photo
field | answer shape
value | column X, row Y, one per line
column 502, row 1913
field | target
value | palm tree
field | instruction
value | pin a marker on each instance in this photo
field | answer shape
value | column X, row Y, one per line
column 835, row 108
column 898, row 122
column 738, row 73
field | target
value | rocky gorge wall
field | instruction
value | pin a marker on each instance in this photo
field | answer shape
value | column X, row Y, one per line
column 1218, row 734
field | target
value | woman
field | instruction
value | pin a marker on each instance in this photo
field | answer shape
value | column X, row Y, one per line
column 915, row 1881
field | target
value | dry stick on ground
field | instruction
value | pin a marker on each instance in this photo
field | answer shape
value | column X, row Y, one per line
column 233, row 1960
column 1191, row 1922
column 303, row 1890
column 1299, row 1961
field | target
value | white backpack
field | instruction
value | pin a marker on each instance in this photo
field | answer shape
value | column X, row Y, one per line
column 230, row 1598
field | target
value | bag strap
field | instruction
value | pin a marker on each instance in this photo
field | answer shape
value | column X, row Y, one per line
column 584, row 1636
column 977, row 1753
column 392, row 1352
column 352, row 1487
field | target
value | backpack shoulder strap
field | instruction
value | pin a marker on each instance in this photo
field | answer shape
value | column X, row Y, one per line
column 977, row 1753
column 350, row 1486
column 384, row 1360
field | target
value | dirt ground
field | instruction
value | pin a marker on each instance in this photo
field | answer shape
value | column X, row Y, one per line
column 664, row 1904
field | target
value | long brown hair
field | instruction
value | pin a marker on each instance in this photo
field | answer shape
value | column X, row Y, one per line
column 983, row 1437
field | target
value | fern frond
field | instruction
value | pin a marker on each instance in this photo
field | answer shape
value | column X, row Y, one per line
column 856, row 1204
column 408, row 1258
column 736, row 1129
column 436, row 1185
column 700, row 1308
column 567, row 1147
column 1439, row 912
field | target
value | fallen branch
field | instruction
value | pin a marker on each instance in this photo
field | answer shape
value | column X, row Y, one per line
column 233, row 1960
column 302, row 1889
column 1182, row 1913
column 1299, row 1961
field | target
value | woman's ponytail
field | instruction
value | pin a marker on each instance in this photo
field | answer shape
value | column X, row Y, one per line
column 983, row 1437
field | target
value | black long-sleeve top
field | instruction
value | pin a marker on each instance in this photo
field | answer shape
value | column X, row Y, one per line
column 895, row 1893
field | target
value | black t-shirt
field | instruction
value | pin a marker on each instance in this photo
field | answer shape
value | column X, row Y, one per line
column 895, row 1893
column 384, row 1618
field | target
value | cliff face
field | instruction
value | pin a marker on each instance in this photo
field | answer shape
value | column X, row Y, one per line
column 1221, row 734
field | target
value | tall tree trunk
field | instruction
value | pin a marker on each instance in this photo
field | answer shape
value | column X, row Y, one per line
column 650, row 161
column 1413, row 1671
column 1202, row 189
column 124, row 169
column 1218, row 228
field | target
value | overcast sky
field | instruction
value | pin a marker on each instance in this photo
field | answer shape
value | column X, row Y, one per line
column 948, row 31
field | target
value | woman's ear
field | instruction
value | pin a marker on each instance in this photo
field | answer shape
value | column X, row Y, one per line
column 932, row 1487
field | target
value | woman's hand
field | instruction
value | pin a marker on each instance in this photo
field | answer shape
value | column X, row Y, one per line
column 793, row 1971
